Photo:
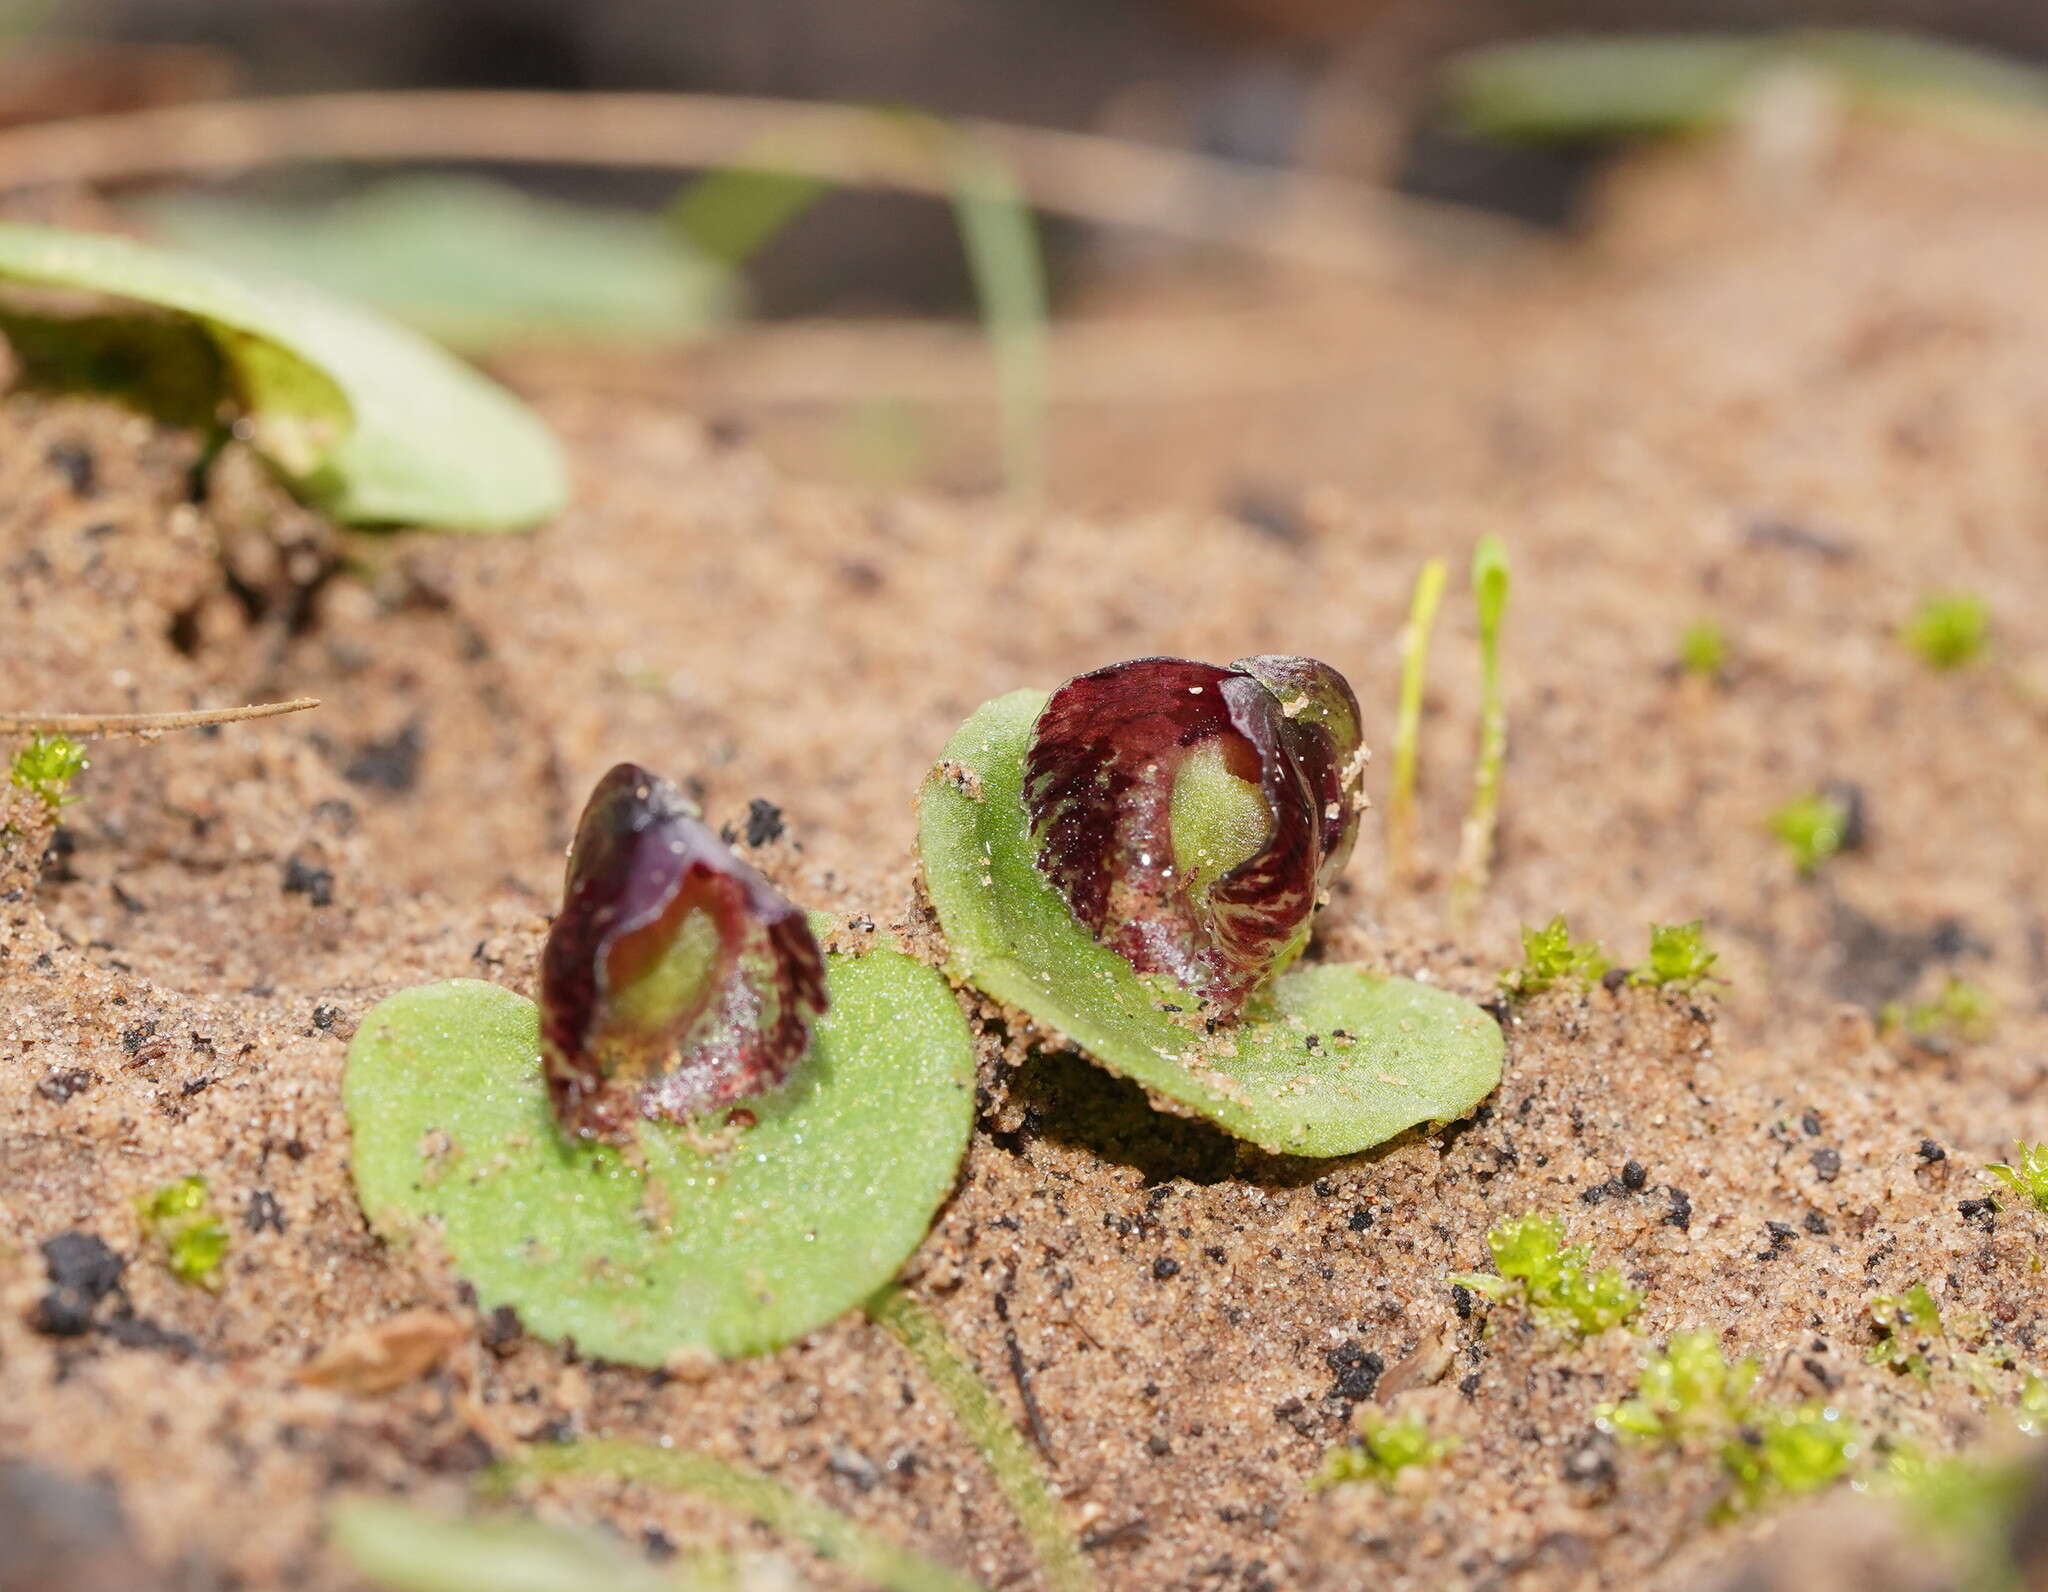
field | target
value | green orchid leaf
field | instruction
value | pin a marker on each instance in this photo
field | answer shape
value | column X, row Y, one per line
column 1327, row 1060
column 476, row 265
column 730, row 1236
column 368, row 421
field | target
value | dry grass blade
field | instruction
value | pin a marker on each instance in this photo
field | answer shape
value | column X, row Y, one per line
column 144, row 723
column 1311, row 220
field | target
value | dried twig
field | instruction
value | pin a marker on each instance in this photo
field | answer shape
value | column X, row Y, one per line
column 1312, row 220
column 88, row 724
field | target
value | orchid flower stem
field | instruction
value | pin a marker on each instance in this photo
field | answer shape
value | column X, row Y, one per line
column 1003, row 1448
column 868, row 1556
column 1429, row 593
column 1475, row 851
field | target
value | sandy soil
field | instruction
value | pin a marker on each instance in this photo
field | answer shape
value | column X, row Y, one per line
column 1794, row 414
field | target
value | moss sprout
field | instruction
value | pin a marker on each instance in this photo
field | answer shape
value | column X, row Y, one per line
column 1962, row 1012
column 1813, row 828
column 1691, row 1387
column 45, row 768
column 1555, row 1282
column 1785, row 1452
column 1692, row 1391
column 181, row 1217
column 1550, row 956
column 1387, row 1445
column 1907, row 1323
column 1949, row 629
column 1679, row 956
column 2027, row 1174
column 1703, row 650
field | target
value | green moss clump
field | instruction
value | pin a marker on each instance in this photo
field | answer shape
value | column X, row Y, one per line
column 1550, row 956
column 45, row 768
column 1814, row 827
column 1679, row 956
column 1949, row 629
column 1907, row 1323
column 1690, row 1387
column 1703, row 650
column 1784, row 1452
column 1556, row 1283
column 2027, row 1176
column 1692, row 1391
column 1963, row 1012
column 1386, row 1446
column 181, row 1217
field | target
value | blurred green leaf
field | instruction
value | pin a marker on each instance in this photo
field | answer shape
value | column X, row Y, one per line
column 364, row 418
column 1569, row 88
column 732, row 214
column 477, row 265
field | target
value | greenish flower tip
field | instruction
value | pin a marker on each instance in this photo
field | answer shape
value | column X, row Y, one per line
column 1553, row 1281
column 1703, row 650
column 45, row 768
column 1962, row 1012
column 1386, row 1446
column 181, row 1217
column 1949, row 629
column 1550, row 956
column 1785, row 1452
column 1814, row 827
column 1679, row 956
column 1691, row 1387
column 2027, row 1175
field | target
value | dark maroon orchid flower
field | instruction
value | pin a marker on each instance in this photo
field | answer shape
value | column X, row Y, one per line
column 675, row 978
column 1194, row 817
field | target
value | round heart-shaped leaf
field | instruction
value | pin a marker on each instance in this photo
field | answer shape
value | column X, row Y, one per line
column 726, row 1237
column 1329, row 1059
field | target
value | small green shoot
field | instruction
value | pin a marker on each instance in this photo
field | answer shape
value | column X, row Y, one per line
column 1555, row 1283
column 1691, row 1387
column 1907, row 1324
column 1703, row 650
column 1550, row 956
column 1386, row 1446
column 1949, row 629
column 45, row 768
column 1962, row 1013
column 2027, row 1176
column 1679, row 956
column 1490, row 599
column 1000, row 236
column 1813, row 827
column 181, row 1217
column 1785, row 1452
column 1422, row 607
